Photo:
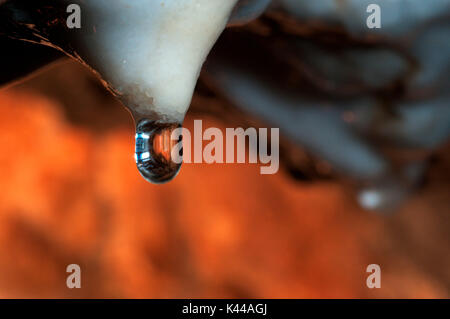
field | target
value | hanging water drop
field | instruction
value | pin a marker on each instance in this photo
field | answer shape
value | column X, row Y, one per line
column 154, row 146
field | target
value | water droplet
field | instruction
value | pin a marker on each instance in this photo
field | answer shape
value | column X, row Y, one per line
column 154, row 151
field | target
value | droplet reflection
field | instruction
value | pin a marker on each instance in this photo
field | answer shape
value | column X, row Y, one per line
column 153, row 151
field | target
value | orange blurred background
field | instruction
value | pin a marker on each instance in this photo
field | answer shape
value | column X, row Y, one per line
column 70, row 193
